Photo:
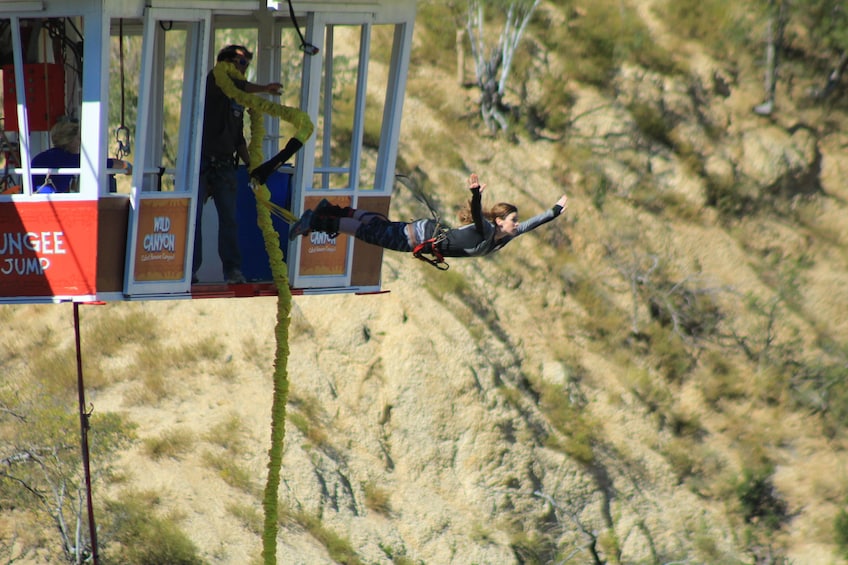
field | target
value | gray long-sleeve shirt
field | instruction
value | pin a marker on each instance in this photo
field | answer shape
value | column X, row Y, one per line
column 477, row 239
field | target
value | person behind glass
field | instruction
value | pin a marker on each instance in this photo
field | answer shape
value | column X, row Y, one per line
column 65, row 154
column 482, row 233
column 222, row 146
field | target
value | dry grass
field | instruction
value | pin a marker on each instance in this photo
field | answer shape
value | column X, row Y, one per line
column 377, row 498
column 228, row 434
column 231, row 472
column 248, row 516
column 173, row 443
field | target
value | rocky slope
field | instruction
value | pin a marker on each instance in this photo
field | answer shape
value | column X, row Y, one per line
column 538, row 406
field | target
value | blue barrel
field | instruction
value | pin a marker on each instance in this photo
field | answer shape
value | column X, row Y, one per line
column 254, row 259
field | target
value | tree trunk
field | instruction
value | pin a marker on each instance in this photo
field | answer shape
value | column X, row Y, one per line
column 460, row 57
column 774, row 42
column 492, row 63
column 834, row 78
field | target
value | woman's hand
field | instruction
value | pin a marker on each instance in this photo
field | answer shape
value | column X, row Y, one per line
column 563, row 202
column 474, row 183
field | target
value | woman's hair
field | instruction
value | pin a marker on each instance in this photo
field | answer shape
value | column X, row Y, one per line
column 64, row 133
column 499, row 210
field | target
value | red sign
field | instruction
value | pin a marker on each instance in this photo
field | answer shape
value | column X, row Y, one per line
column 48, row 248
column 40, row 80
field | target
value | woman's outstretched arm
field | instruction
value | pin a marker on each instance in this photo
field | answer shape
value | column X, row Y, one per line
column 476, row 202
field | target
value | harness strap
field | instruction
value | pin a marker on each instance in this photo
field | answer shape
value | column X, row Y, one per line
column 431, row 247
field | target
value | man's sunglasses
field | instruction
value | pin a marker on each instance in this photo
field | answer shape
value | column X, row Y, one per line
column 242, row 62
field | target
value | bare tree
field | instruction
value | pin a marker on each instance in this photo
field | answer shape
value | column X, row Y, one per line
column 833, row 79
column 43, row 473
column 40, row 467
column 493, row 63
column 826, row 25
column 826, row 22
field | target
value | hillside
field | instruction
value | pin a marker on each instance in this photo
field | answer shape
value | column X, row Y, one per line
column 655, row 377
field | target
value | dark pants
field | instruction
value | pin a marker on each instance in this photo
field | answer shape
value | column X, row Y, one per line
column 384, row 233
column 218, row 181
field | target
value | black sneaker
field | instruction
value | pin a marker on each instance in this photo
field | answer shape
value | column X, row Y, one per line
column 301, row 226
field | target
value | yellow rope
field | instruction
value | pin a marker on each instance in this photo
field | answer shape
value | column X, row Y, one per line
column 224, row 73
column 281, row 212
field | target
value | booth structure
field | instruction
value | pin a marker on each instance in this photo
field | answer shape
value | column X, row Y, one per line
column 132, row 73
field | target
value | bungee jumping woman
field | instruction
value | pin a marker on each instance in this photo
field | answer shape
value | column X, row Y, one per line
column 483, row 233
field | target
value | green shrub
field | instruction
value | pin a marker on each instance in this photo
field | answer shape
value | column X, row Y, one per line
column 655, row 396
column 721, row 381
column 819, row 387
column 651, row 122
column 56, row 369
column 434, row 28
column 150, row 365
column 606, row 34
column 669, row 351
column 137, row 536
column 680, row 456
column 552, row 109
column 840, row 531
column 760, row 502
column 599, row 190
column 576, row 432
column 603, row 319
column 444, row 145
column 715, row 23
column 727, row 198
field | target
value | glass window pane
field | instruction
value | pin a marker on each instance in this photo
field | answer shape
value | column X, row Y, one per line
column 173, row 83
column 51, row 70
column 379, row 61
column 334, row 127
